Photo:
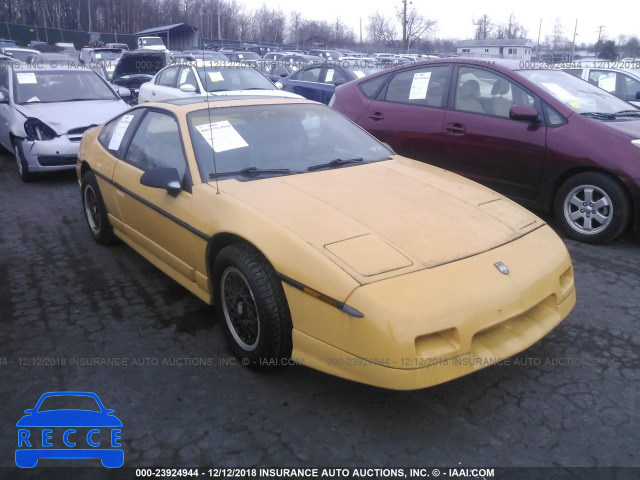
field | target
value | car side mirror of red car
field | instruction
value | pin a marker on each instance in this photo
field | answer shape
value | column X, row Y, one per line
column 165, row 178
column 523, row 112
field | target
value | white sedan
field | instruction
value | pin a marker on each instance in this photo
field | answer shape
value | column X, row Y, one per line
column 206, row 77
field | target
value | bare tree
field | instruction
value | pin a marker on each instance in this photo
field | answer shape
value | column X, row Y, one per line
column 381, row 30
column 512, row 29
column 484, row 27
column 417, row 26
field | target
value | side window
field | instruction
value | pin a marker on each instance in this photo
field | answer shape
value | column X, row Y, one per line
column 482, row 91
column 311, row 75
column 335, row 77
column 168, row 77
column 115, row 134
column 576, row 72
column 370, row 88
column 157, row 144
column 630, row 87
column 554, row 119
column 420, row 86
column 603, row 79
column 187, row 77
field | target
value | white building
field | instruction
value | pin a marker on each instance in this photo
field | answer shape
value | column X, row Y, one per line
column 514, row 49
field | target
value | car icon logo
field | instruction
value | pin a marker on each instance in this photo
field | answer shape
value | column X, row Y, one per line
column 69, row 425
column 502, row 268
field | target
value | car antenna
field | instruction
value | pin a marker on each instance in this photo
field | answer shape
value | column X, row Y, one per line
column 206, row 88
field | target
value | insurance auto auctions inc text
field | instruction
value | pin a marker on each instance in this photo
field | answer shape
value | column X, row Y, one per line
column 365, row 473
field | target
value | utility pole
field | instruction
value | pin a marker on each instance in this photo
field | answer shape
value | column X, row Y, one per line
column 573, row 45
column 404, row 26
column 219, row 34
column 600, row 27
column 89, row 11
column 538, row 46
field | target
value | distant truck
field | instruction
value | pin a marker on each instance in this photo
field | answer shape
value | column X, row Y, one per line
column 151, row 43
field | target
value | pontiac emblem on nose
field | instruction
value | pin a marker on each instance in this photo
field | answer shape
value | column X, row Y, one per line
column 502, row 268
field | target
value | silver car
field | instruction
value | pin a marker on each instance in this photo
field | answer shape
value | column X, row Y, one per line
column 44, row 111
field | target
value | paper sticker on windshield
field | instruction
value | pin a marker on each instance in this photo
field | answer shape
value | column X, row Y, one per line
column 118, row 133
column 557, row 91
column 329, row 76
column 359, row 74
column 215, row 76
column 419, row 86
column 574, row 105
column 221, row 136
column 98, row 55
column 25, row 78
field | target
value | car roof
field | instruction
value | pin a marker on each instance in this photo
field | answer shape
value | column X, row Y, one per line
column 190, row 104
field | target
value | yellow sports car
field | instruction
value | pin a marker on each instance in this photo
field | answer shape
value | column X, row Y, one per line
column 317, row 244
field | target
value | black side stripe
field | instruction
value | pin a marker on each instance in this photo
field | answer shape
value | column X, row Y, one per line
column 288, row 280
column 164, row 213
column 321, row 296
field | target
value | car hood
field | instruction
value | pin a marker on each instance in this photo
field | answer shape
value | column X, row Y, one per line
column 69, row 418
column 65, row 116
column 630, row 127
column 388, row 218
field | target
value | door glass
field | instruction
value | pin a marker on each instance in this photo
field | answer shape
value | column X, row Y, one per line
column 311, row 75
column 604, row 80
column 420, row 86
column 168, row 77
column 157, row 144
column 482, row 91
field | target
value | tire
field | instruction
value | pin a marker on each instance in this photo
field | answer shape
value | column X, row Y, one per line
column 251, row 306
column 592, row 207
column 95, row 211
column 21, row 163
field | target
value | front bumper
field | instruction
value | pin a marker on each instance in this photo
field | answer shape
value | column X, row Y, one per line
column 59, row 153
column 434, row 325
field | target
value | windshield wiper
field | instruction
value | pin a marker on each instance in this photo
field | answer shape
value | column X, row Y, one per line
column 628, row 113
column 334, row 163
column 250, row 172
column 599, row 115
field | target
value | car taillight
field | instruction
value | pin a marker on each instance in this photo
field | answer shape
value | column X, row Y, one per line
column 36, row 129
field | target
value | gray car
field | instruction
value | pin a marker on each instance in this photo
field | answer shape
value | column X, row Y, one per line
column 45, row 111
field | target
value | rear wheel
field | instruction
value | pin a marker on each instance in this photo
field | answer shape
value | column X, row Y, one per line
column 592, row 207
column 95, row 211
column 251, row 306
column 21, row 163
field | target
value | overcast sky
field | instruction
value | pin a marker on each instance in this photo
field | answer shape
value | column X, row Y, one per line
column 454, row 17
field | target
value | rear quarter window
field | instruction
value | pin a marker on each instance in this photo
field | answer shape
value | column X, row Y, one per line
column 370, row 88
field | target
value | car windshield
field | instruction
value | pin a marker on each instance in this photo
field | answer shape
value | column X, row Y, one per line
column 277, row 139
column 105, row 55
column 152, row 41
column 577, row 94
column 68, row 402
column 237, row 77
column 247, row 56
column 41, row 86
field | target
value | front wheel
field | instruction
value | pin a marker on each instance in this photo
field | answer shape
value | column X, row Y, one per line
column 95, row 211
column 592, row 207
column 21, row 163
column 251, row 306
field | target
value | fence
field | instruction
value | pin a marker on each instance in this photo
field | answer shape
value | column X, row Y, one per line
column 23, row 34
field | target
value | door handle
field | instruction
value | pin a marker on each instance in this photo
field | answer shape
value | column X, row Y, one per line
column 376, row 116
column 455, row 128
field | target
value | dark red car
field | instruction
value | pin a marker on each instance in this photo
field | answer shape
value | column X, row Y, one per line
column 540, row 136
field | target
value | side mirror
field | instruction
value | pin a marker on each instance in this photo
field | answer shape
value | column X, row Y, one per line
column 279, row 86
column 124, row 93
column 4, row 98
column 284, row 75
column 337, row 83
column 523, row 112
column 187, row 88
column 165, row 178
